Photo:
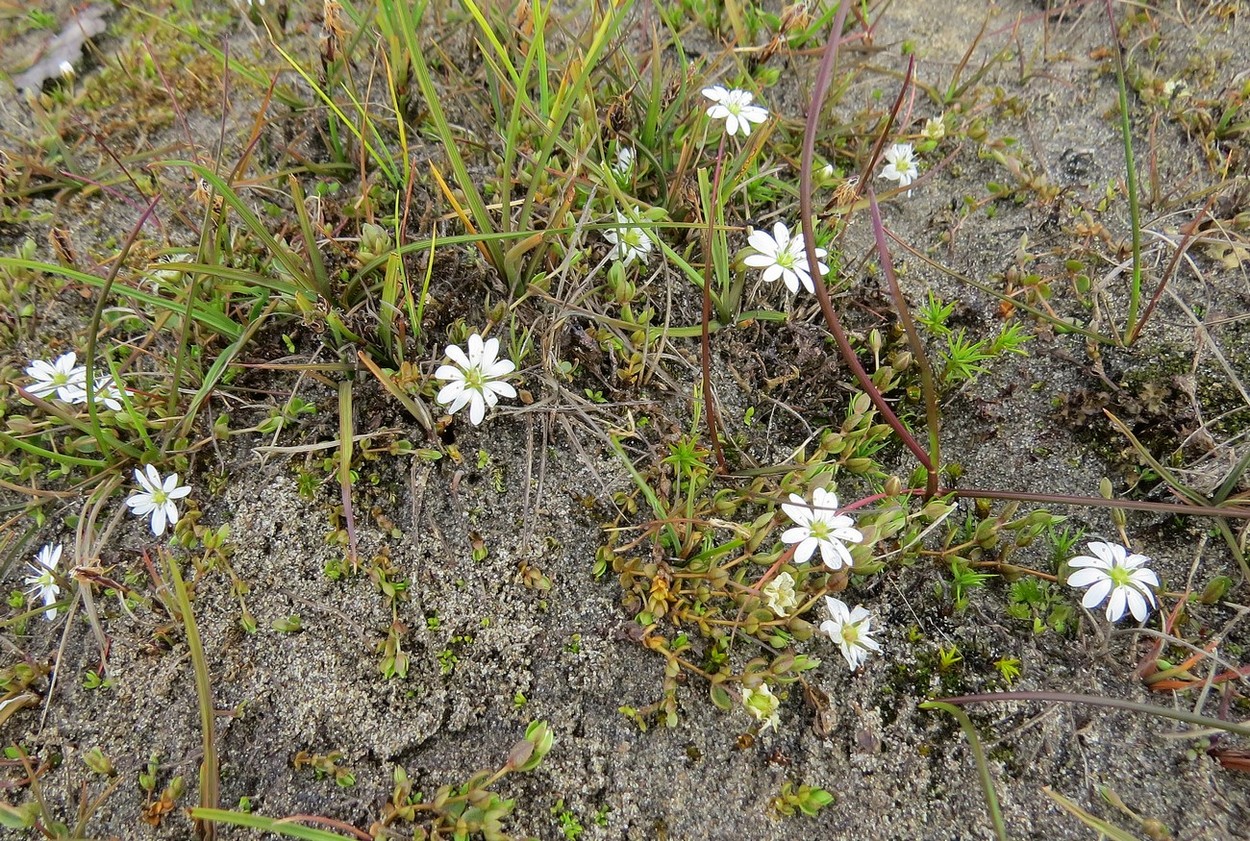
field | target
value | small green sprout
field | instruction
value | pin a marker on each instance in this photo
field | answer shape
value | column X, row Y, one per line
column 1008, row 668
column 570, row 827
column 803, row 798
column 949, row 657
column 964, row 579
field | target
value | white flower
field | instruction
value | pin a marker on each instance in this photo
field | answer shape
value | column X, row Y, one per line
column 735, row 108
column 900, row 164
column 156, row 497
column 779, row 594
column 68, row 380
column 1113, row 571
column 106, row 392
column 934, row 128
column 41, row 582
column 624, row 161
column 475, row 379
column 629, row 243
column 819, row 524
column 851, row 629
column 762, row 704
column 67, row 71
column 781, row 256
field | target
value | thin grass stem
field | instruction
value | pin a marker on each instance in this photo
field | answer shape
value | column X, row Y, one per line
column 1130, row 180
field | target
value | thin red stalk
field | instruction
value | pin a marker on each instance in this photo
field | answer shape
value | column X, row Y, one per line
column 1099, row 502
column 823, row 79
column 1098, row 701
column 705, row 340
column 1064, row 499
column 1190, row 232
column 927, row 385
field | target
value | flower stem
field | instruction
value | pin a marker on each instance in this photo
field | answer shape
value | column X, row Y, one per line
column 823, row 79
column 705, row 342
column 927, row 386
column 1099, row 701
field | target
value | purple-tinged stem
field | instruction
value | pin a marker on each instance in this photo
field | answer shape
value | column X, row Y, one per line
column 823, row 79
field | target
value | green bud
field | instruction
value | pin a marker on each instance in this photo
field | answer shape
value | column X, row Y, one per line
column 1216, row 589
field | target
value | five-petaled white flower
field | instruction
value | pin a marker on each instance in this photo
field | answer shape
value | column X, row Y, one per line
column 629, row 243
column 762, row 704
column 42, row 582
column 783, row 256
column 820, row 524
column 475, row 380
column 901, row 164
column 851, row 629
column 735, row 108
column 1112, row 570
column 779, row 594
column 155, row 497
column 68, row 380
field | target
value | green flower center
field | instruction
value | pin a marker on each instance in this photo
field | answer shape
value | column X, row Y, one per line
column 820, row 529
column 1121, row 576
column 473, row 379
column 159, row 497
column 850, row 634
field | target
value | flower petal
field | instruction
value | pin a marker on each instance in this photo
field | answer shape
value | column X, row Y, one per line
column 1086, row 577
column 805, row 550
column 1095, row 594
column 1136, row 604
column 456, row 355
column 158, row 520
column 477, row 408
column 153, row 477
column 1117, row 604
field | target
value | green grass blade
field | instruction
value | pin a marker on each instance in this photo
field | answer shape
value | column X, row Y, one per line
column 477, row 206
column 376, row 149
column 217, row 370
column 60, row 458
column 983, row 768
column 214, row 319
column 657, row 507
column 278, row 826
column 210, row 776
column 570, row 94
column 281, row 253
column 320, row 280
column 502, row 53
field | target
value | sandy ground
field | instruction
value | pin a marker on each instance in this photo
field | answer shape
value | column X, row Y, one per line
column 490, row 653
